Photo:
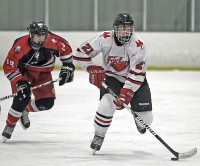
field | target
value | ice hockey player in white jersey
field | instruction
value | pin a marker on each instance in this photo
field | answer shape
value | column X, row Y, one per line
column 124, row 64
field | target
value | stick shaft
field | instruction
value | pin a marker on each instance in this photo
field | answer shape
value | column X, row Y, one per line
column 35, row 87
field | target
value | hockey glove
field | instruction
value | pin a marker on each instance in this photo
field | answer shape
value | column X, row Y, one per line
column 66, row 73
column 125, row 97
column 23, row 89
column 96, row 75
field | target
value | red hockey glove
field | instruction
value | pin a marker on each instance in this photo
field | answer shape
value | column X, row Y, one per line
column 96, row 75
column 125, row 97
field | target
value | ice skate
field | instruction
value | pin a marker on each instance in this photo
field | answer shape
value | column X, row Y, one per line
column 96, row 143
column 24, row 120
column 7, row 132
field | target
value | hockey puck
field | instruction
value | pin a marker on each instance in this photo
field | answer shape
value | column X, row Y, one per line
column 174, row 159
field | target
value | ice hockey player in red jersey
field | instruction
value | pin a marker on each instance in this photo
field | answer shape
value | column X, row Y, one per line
column 124, row 63
column 29, row 63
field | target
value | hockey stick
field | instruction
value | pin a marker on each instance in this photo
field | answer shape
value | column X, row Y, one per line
column 185, row 155
column 35, row 87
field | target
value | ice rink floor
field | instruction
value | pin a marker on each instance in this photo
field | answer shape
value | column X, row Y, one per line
column 61, row 137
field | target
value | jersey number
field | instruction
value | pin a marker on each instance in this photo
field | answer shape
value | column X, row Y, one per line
column 87, row 48
column 10, row 62
column 140, row 66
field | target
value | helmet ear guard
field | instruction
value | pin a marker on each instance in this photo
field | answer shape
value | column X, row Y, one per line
column 123, row 22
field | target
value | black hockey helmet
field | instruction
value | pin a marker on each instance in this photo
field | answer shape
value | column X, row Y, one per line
column 39, row 28
column 123, row 20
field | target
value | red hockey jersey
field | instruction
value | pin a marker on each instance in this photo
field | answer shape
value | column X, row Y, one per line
column 21, row 56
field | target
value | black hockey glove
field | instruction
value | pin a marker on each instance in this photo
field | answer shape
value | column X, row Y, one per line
column 23, row 89
column 66, row 73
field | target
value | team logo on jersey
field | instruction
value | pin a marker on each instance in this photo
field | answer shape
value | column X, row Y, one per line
column 36, row 57
column 106, row 34
column 54, row 41
column 117, row 63
column 17, row 49
column 139, row 43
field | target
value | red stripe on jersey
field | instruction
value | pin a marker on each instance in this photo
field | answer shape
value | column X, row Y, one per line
column 17, row 78
column 104, row 121
column 40, row 68
column 133, row 72
column 134, row 82
column 82, row 59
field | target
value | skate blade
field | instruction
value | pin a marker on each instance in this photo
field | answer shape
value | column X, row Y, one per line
column 22, row 125
column 4, row 139
column 94, row 152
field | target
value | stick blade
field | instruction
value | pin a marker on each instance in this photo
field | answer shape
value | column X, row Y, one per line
column 188, row 154
column 4, row 139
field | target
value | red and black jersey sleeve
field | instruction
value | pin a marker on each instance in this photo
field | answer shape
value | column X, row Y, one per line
column 63, row 47
column 18, row 50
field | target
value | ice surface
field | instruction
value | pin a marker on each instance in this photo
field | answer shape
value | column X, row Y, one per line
column 62, row 136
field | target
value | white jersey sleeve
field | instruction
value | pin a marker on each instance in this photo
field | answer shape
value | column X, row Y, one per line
column 88, row 50
column 138, row 65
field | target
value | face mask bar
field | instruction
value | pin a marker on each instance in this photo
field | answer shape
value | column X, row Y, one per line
column 123, row 33
column 36, row 45
column 37, row 28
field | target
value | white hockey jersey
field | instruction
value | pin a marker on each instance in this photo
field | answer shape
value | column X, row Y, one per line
column 126, row 63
